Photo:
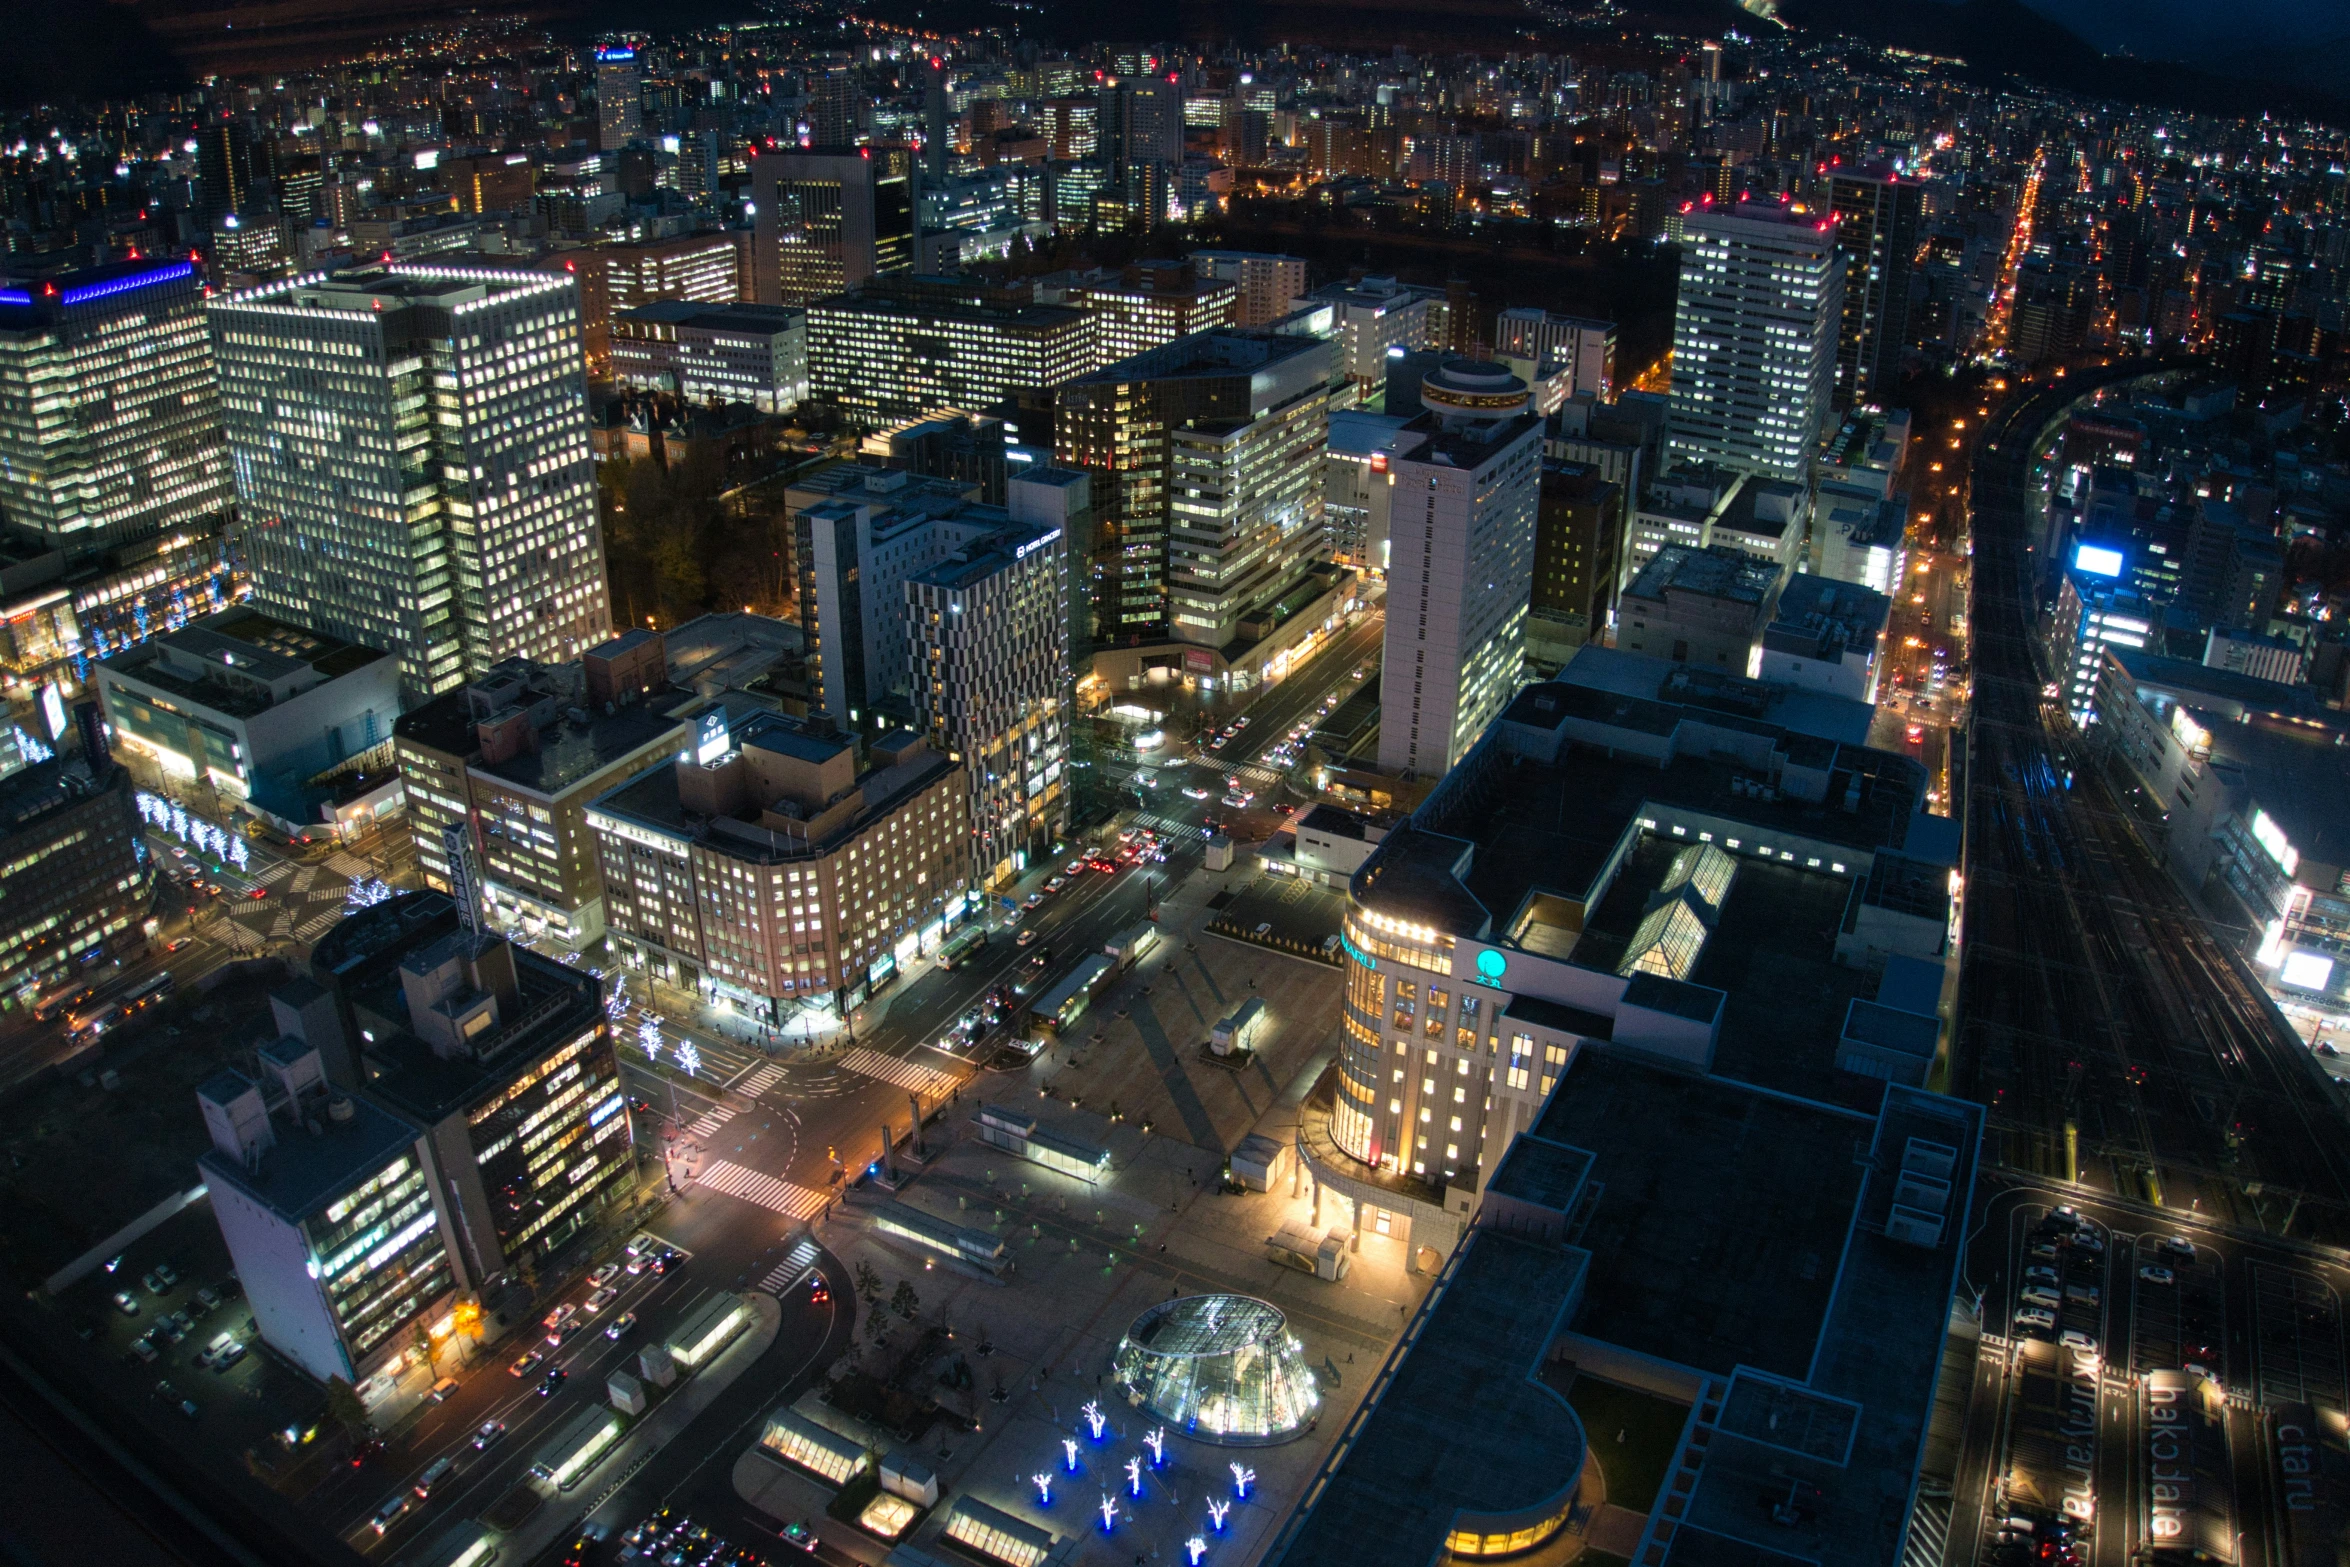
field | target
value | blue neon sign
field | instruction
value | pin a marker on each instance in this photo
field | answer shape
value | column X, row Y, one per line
column 1357, row 953
column 1491, row 965
column 170, row 273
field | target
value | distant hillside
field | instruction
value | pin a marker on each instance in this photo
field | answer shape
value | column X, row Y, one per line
column 2000, row 38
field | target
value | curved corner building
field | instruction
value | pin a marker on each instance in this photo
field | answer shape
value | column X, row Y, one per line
column 1479, row 959
column 1218, row 1368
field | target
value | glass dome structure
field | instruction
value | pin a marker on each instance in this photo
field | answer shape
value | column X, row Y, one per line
column 1218, row 1368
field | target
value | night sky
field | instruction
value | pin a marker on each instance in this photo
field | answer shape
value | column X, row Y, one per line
column 2182, row 29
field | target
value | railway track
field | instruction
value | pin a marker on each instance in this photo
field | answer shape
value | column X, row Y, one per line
column 2099, row 1018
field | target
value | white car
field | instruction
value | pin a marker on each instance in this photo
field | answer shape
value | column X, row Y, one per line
column 1197, row 793
column 2155, row 1275
column 2036, row 1317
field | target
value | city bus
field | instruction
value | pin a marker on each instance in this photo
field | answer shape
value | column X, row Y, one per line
column 959, row 948
column 62, row 999
column 146, row 993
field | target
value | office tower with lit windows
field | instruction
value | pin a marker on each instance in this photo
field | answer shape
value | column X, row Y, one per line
column 110, row 428
column 224, row 165
column 768, row 869
column 1460, row 566
column 861, row 533
column 1754, row 340
column 503, row 1061
column 78, row 882
column 1586, row 347
column 619, row 100
column 825, row 221
column 837, row 111
column 1877, row 220
column 1152, row 302
column 340, row 1244
column 512, row 754
column 1267, row 285
column 412, row 455
column 1224, row 412
column 988, row 629
column 905, row 347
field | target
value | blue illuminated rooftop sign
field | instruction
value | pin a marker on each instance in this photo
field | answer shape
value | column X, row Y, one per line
column 2097, row 561
column 614, row 56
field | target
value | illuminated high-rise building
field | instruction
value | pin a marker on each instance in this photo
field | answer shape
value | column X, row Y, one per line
column 412, row 456
column 1207, row 460
column 1877, row 213
column 1754, row 339
column 1460, row 566
column 619, row 100
column 109, row 419
column 828, row 221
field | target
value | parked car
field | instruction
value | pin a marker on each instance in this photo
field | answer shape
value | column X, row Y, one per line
column 2036, row 1317
column 126, row 1303
column 2154, row 1275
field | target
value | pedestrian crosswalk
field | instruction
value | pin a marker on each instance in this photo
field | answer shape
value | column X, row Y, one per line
column 318, row 925
column 920, row 1079
column 1166, row 824
column 273, row 873
column 712, row 1119
column 794, row 1267
column 753, row 1186
column 350, row 866
column 762, row 1080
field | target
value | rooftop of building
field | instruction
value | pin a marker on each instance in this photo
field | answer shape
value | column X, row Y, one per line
column 1463, row 1423
column 401, row 283
column 31, row 794
column 1220, row 351
column 1469, row 445
column 1824, row 609
column 305, row 1171
column 573, row 744
column 557, row 1004
column 2299, row 774
column 1618, row 672
column 35, row 289
column 983, row 557
column 240, row 661
column 952, row 300
column 1468, row 860
column 2228, row 692
column 1358, row 432
column 651, row 798
column 1716, row 571
column 1739, row 1233
column 731, row 317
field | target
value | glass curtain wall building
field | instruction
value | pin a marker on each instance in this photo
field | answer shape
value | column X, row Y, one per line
column 411, row 449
